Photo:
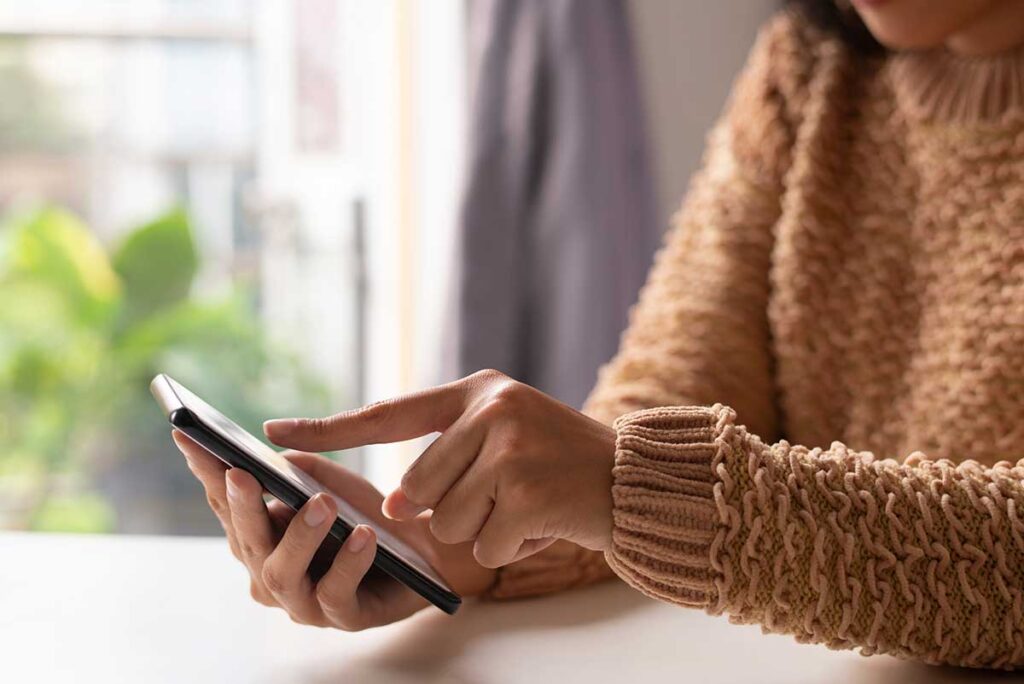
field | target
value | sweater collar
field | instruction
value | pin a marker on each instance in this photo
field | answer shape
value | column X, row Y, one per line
column 940, row 85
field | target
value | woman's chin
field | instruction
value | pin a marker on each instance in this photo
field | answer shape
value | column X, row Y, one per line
column 920, row 24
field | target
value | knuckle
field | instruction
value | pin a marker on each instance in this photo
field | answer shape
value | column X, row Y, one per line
column 410, row 478
column 488, row 375
column 502, row 405
column 377, row 412
column 510, row 391
column 329, row 597
column 413, row 488
column 217, row 505
column 317, row 426
column 246, row 548
column 273, row 579
column 259, row 595
column 442, row 529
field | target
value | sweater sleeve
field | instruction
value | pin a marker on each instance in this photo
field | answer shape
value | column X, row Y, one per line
column 921, row 559
column 699, row 333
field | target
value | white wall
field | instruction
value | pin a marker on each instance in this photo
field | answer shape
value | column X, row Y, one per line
column 689, row 53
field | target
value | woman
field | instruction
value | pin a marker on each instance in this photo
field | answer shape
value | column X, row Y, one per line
column 849, row 265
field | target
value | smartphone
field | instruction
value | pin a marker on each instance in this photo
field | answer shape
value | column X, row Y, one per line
column 239, row 449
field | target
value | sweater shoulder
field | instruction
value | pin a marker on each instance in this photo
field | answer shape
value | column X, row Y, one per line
column 787, row 55
column 771, row 95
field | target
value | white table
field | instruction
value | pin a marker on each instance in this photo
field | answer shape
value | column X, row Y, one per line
column 145, row 609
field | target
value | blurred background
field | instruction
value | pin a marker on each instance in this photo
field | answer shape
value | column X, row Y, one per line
column 298, row 206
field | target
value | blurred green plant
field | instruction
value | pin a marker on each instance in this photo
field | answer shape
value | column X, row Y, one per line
column 82, row 331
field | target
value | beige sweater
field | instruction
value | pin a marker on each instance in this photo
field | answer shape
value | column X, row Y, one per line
column 849, row 265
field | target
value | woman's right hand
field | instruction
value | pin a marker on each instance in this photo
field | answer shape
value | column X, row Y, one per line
column 277, row 545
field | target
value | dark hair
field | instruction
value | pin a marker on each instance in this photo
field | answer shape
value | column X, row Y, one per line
column 845, row 23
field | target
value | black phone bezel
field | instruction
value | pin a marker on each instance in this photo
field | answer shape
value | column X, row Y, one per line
column 182, row 418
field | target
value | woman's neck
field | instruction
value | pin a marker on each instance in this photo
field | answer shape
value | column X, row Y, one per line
column 997, row 30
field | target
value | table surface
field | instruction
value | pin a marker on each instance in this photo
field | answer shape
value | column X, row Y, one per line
column 149, row 609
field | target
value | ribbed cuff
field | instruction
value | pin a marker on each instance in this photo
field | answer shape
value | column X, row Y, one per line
column 664, row 513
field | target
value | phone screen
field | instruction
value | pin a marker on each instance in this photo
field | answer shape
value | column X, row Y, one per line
column 228, row 430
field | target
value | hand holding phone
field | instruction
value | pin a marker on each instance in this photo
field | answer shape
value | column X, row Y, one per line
column 274, row 544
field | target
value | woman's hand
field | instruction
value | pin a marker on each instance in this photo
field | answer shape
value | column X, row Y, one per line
column 278, row 546
column 512, row 471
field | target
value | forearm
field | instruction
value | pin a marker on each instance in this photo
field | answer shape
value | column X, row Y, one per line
column 922, row 560
column 699, row 333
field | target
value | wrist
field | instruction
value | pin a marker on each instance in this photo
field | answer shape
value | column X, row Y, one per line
column 471, row 578
column 602, row 463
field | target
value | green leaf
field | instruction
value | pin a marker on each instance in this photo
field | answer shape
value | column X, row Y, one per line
column 53, row 249
column 156, row 263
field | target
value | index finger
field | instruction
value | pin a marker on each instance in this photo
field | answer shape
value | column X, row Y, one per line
column 393, row 420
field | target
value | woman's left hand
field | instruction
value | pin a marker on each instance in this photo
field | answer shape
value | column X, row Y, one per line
column 513, row 469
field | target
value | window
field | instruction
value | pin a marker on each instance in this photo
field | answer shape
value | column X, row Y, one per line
column 245, row 195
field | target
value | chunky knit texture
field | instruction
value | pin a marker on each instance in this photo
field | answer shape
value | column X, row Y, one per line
column 848, row 265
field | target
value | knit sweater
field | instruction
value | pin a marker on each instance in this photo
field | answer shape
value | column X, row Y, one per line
column 819, row 400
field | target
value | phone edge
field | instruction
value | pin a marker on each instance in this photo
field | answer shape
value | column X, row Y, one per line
column 181, row 418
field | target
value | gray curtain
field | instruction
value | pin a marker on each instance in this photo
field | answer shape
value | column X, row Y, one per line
column 558, row 225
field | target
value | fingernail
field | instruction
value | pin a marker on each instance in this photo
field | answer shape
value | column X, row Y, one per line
column 281, row 426
column 232, row 487
column 357, row 540
column 316, row 512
